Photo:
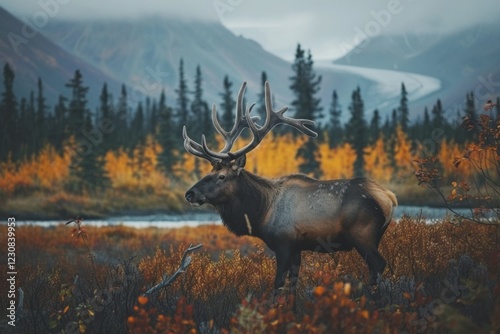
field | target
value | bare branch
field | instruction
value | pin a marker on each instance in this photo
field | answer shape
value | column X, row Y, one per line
column 185, row 262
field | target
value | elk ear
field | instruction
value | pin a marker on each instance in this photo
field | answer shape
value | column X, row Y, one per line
column 239, row 164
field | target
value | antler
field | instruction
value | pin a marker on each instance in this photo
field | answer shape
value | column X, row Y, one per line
column 229, row 136
column 273, row 118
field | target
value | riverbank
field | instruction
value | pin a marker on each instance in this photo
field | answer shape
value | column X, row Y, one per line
column 42, row 207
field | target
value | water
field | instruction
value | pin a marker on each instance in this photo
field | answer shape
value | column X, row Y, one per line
column 193, row 219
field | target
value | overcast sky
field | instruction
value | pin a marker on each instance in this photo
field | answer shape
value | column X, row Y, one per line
column 326, row 27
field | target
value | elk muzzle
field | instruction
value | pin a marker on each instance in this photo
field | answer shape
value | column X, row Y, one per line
column 195, row 197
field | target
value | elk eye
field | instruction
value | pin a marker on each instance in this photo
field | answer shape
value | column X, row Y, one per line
column 222, row 177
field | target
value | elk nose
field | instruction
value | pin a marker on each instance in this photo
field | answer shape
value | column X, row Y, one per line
column 189, row 196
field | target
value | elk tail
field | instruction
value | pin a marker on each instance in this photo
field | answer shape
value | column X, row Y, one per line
column 386, row 199
column 394, row 201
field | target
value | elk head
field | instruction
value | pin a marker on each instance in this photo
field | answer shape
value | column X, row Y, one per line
column 221, row 184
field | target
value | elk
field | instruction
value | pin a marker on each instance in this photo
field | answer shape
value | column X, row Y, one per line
column 293, row 213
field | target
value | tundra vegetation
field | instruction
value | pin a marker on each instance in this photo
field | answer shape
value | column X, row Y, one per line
column 440, row 277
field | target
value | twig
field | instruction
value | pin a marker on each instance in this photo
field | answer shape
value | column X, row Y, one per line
column 185, row 262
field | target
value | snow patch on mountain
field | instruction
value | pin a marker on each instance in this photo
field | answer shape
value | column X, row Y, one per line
column 387, row 83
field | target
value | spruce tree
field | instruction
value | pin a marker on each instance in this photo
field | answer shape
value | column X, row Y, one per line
column 298, row 84
column 470, row 108
column 201, row 116
column 207, row 125
column 386, row 128
column 90, row 171
column 107, row 115
column 10, row 136
column 356, row 131
column 470, row 112
column 87, row 166
column 166, row 136
column 41, row 122
column 148, row 128
column 404, row 116
column 58, row 130
column 311, row 164
column 182, row 100
column 24, row 123
column 198, row 105
column 227, row 105
column 394, row 120
column 121, row 138
column 261, row 103
column 374, row 127
column 427, row 118
column 437, row 116
column 154, row 119
column 305, row 86
column 31, row 124
column 335, row 131
column 426, row 126
column 137, row 133
column 77, row 106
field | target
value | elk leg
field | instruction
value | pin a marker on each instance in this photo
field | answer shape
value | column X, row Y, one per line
column 294, row 278
column 283, row 265
column 375, row 261
column 294, row 271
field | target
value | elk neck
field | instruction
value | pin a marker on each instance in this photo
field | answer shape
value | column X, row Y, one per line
column 252, row 198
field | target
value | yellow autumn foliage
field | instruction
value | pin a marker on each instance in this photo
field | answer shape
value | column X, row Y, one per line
column 405, row 166
column 275, row 157
column 46, row 171
column 447, row 152
column 138, row 170
column 337, row 163
column 377, row 162
column 52, row 168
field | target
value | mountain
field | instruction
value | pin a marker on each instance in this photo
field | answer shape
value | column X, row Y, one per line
column 32, row 56
column 463, row 61
column 132, row 51
column 144, row 54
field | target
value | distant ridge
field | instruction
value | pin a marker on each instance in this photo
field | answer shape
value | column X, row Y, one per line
column 465, row 60
column 40, row 57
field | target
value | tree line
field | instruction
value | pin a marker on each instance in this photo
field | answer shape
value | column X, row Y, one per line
column 28, row 124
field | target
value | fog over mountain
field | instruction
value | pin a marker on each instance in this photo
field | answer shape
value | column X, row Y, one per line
column 278, row 26
column 39, row 57
column 144, row 54
column 437, row 51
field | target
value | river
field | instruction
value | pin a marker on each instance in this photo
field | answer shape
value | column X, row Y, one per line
column 205, row 218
